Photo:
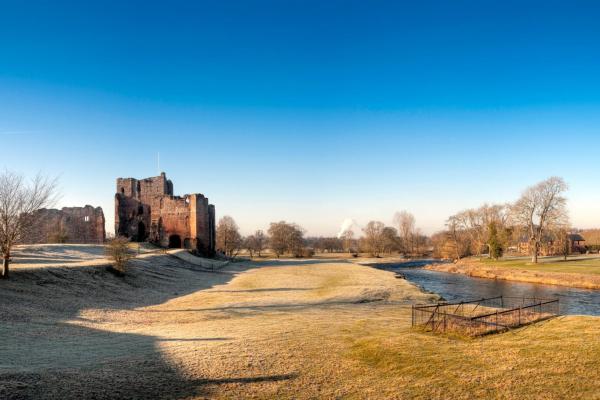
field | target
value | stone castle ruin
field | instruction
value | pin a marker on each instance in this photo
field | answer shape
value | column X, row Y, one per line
column 147, row 210
column 68, row 225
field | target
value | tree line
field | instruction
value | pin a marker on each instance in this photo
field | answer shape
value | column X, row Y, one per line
column 284, row 238
column 538, row 218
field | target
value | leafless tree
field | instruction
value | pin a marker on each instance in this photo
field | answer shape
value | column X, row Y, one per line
column 330, row 244
column 278, row 232
column 391, row 240
column 249, row 244
column 229, row 239
column 405, row 222
column 374, row 237
column 287, row 237
column 438, row 241
column 348, row 240
column 459, row 240
column 540, row 208
column 18, row 201
column 475, row 223
column 255, row 243
column 472, row 223
column 420, row 241
column 260, row 241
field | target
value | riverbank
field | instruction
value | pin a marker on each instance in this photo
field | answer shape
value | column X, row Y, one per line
column 301, row 329
column 581, row 272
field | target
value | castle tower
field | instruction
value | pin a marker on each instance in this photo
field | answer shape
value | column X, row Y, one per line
column 147, row 210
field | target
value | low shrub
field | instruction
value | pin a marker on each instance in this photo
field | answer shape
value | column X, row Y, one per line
column 119, row 252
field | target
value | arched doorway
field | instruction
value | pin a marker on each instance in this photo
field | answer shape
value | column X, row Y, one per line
column 174, row 242
column 141, row 232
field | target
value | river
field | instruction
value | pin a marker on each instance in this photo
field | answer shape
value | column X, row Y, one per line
column 459, row 287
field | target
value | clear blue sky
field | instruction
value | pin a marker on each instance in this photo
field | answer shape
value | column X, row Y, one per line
column 308, row 111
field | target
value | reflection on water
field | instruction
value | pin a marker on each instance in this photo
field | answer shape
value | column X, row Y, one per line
column 458, row 287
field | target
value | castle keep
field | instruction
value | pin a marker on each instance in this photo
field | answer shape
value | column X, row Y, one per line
column 147, row 210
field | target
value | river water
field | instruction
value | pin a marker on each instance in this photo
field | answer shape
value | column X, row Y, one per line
column 458, row 287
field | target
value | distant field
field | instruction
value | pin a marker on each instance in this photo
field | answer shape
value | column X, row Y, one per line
column 580, row 264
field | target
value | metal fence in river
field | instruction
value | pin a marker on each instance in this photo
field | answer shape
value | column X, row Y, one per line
column 483, row 316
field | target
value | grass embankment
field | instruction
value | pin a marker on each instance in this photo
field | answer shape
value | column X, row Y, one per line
column 581, row 272
column 556, row 359
column 278, row 329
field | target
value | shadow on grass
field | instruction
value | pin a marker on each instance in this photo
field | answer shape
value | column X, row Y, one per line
column 45, row 355
column 254, row 379
column 217, row 339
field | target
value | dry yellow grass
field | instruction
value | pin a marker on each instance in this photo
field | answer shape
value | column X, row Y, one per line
column 556, row 359
column 272, row 330
column 582, row 272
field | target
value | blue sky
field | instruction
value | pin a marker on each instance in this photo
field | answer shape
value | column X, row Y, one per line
column 307, row 111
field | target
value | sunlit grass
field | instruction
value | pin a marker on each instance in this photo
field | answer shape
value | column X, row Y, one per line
column 539, row 361
column 582, row 265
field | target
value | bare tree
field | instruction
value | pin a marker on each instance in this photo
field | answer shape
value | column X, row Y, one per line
column 460, row 242
column 286, row 237
column 249, row 244
column 405, row 222
column 472, row 223
column 540, row 208
column 255, row 243
column 260, row 241
column 348, row 240
column 278, row 234
column 18, row 201
column 391, row 241
column 330, row 244
column 476, row 223
column 295, row 240
column 229, row 239
column 374, row 237
column 420, row 241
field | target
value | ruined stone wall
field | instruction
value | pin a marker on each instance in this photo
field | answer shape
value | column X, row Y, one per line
column 199, row 205
column 132, row 217
column 145, row 190
column 137, row 206
column 212, row 230
column 69, row 225
column 175, row 220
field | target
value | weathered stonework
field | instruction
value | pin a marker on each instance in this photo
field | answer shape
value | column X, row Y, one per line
column 147, row 210
column 68, row 225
